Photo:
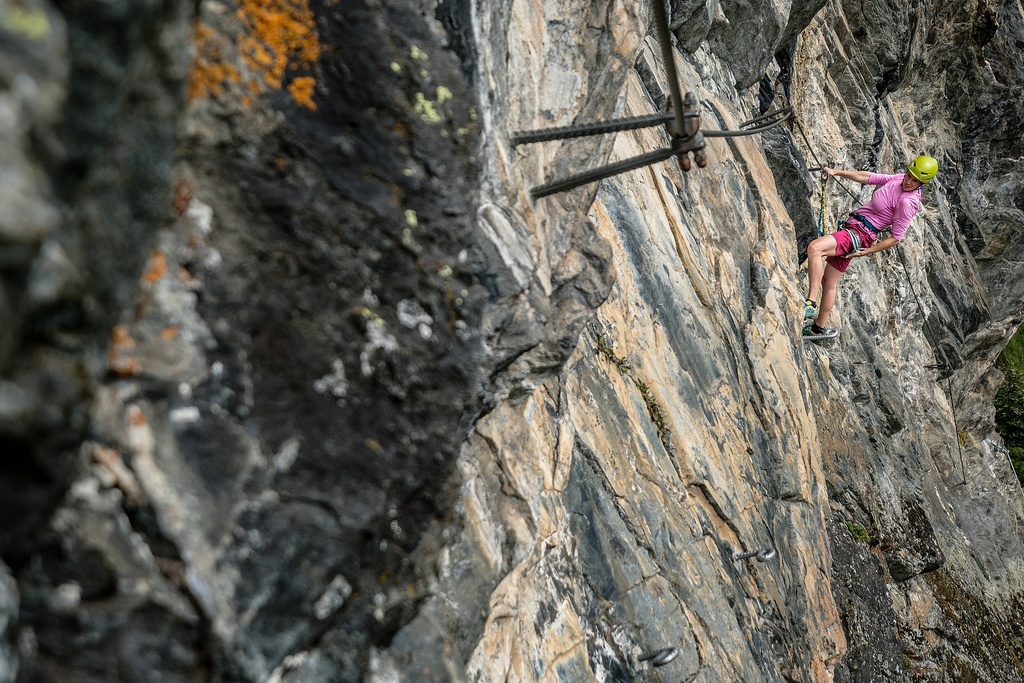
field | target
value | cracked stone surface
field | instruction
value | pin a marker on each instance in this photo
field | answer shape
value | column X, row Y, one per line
column 293, row 396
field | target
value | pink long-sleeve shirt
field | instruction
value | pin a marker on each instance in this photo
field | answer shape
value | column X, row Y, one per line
column 890, row 205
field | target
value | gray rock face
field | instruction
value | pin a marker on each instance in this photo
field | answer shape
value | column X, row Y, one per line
column 91, row 97
column 8, row 616
column 371, row 413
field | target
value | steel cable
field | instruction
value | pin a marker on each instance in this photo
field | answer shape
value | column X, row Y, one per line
column 945, row 359
column 785, row 111
column 748, row 131
column 618, row 125
column 665, row 40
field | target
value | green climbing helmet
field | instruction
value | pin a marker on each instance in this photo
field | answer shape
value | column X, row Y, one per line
column 923, row 168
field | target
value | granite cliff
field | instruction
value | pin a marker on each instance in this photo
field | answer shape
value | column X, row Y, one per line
column 299, row 384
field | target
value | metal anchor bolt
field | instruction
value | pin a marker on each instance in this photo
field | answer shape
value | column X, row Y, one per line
column 682, row 123
column 762, row 555
column 660, row 657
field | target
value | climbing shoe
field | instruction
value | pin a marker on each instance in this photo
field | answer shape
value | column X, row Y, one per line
column 810, row 309
column 814, row 333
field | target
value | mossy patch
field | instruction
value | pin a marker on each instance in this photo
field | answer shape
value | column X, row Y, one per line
column 654, row 410
column 858, row 532
column 1009, row 402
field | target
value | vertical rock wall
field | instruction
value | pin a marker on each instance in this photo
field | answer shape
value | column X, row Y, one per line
column 691, row 425
column 371, row 413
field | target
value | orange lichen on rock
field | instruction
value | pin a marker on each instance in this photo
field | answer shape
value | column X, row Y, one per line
column 120, row 358
column 210, row 72
column 274, row 36
column 183, row 193
column 277, row 31
column 156, row 268
column 301, row 90
column 136, row 418
column 120, row 337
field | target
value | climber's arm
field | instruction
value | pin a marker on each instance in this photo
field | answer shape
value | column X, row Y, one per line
column 880, row 245
column 856, row 176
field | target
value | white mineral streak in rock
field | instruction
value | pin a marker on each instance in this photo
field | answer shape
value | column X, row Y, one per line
column 175, row 508
column 53, row 274
column 334, row 382
column 333, row 597
column 288, row 664
column 199, row 216
column 370, row 299
column 286, row 455
column 412, row 315
column 184, row 415
column 378, row 339
column 514, row 251
column 212, row 258
column 67, row 596
column 383, row 668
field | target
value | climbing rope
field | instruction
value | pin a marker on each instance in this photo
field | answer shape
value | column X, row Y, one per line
column 945, row 364
column 823, row 204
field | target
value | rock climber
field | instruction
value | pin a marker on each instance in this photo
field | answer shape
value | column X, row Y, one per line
column 892, row 205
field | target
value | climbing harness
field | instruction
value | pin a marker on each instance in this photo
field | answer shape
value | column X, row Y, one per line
column 866, row 223
column 682, row 123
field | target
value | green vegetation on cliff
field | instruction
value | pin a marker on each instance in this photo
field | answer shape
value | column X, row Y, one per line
column 1010, row 402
